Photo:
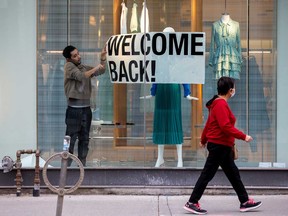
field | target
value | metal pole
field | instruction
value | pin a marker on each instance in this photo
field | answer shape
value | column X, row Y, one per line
column 62, row 183
column 36, row 189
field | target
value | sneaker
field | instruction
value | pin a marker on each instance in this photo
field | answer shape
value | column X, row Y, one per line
column 194, row 208
column 249, row 205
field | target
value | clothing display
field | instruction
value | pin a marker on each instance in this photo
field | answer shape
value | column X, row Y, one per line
column 144, row 19
column 167, row 126
column 123, row 19
column 225, row 49
column 134, row 24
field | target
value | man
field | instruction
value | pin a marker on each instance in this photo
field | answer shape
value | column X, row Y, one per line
column 77, row 86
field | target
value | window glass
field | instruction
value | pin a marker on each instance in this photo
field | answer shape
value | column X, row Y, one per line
column 122, row 126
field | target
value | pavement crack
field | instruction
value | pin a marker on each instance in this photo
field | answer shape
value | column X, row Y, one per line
column 167, row 202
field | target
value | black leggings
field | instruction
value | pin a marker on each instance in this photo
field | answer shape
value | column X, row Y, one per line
column 219, row 155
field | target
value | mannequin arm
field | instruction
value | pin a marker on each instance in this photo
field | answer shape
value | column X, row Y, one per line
column 191, row 98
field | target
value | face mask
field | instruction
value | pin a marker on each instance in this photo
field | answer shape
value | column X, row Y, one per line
column 232, row 95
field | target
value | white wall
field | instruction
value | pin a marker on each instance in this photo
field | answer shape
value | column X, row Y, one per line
column 17, row 76
column 282, row 81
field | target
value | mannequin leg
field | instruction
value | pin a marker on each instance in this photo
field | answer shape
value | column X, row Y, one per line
column 179, row 154
column 160, row 159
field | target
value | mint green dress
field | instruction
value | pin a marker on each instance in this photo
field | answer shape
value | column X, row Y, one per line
column 225, row 49
column 167, row 126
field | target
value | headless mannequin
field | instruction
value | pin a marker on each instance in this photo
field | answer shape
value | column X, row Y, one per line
column 225, row 18
column 160, row 159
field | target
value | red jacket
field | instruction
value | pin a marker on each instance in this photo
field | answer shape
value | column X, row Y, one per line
column 219, row 127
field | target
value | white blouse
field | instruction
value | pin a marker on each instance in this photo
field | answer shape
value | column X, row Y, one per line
column 123, row 19
column 144, row 20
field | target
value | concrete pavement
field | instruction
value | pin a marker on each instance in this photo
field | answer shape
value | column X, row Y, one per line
column 117, row 205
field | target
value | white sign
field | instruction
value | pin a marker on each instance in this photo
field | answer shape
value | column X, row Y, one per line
column 157, row 57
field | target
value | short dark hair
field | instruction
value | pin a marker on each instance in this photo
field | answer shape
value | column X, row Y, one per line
column 224, row 84
column 67, row 51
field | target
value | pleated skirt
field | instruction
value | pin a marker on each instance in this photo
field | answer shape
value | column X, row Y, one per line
column 167, row 125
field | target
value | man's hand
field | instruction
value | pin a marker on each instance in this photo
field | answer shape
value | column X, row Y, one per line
column 103, row 54
column 189, row 97
column 146, row 97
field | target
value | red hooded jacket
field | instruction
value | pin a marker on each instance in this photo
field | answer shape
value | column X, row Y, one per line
column 219, row 127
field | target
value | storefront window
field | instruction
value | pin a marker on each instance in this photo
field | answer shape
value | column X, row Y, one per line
column 122, row 126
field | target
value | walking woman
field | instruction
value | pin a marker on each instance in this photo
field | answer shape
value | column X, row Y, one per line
column 219, row 135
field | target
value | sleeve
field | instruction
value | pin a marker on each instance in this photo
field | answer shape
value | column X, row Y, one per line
column 153, row 89
column 212, row 46
column 222, row 113
column 238, row 41
column 186, row 89
column 98, row 72
column 72, row 72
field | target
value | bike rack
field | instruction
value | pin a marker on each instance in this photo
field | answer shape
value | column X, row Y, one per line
column 61, row 190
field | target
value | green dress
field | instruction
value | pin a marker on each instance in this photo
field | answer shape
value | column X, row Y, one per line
column 167, row 126
column 225, row 49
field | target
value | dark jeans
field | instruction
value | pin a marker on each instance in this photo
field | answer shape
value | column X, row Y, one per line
column 78, row 122
column 219, row 155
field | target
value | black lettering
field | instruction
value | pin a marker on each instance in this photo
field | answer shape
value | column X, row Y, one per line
column 194, row 44
column 133, row 78
column 143, row 71
column 144, row 45
column 133, row 52
column 123, row 72
column 113, row 72
column 173, row 44
column 163, row 44
column 153, row 67
column 112, row 45
column 125, row 44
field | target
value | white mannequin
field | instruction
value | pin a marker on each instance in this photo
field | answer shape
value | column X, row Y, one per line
column 225, row 18
column 160, row 160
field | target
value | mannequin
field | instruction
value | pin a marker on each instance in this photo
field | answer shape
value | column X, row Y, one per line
column 225, row 48
column 167, row 125
column 225, row 18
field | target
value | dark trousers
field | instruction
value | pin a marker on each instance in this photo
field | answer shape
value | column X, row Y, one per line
column 219, row 155
column 78, row 122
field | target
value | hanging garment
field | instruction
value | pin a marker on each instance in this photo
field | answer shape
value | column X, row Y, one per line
column 123, row 19
column 225, row 49
column 144, row 20
column 134, row 19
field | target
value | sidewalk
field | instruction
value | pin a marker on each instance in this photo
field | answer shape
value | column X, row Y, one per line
column 115, row 205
